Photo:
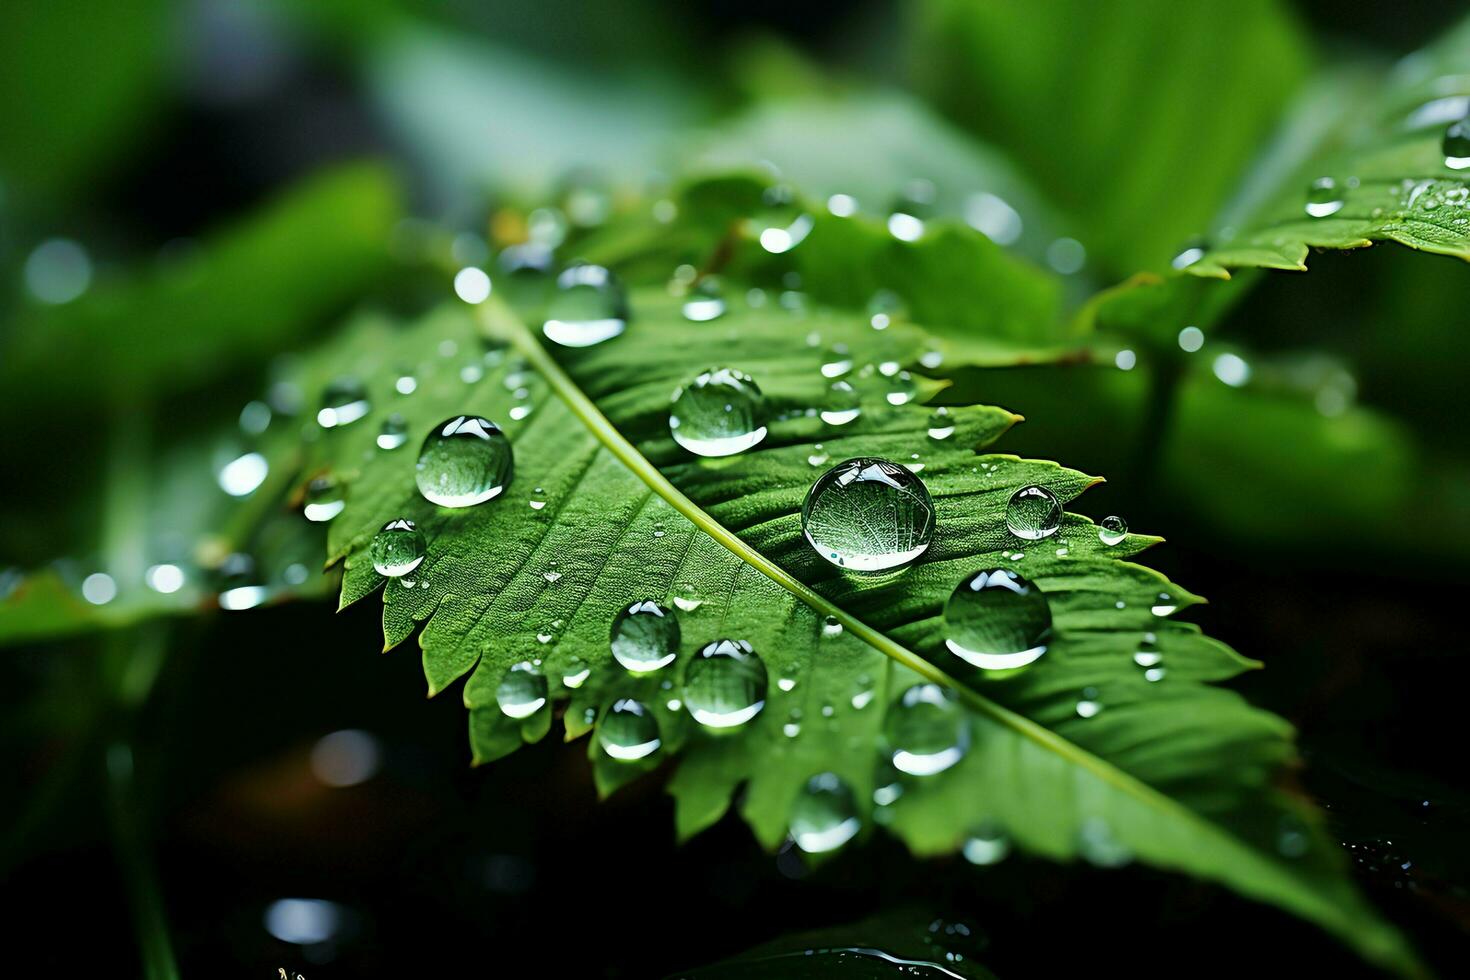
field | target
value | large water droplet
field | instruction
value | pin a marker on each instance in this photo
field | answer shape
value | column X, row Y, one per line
column 343, row 402
column 842, row 404
column 1112, row 530
column 1323, row 198
column 1456, row 145
column 645, row 637
column 719, row 413
column 465, row 461
column 868, row 514
column 1033, row 513
column 824, row 815
column 629, row 731
column 997, row 620
column 522, row 691
column 398, row 548
column 587, row 308
column 927, row 731
column 725, row 684
column 325, row 499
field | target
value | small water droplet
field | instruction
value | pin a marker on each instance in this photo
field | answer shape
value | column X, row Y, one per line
column 1111, row 530
column 842, row 404
column 719, row 413
column 1323, row 198
column 868, row 514
column 1165, row 605
column 587, row 308
column 1088, row 706
column 552, row 577
column 901, row 389
column 831, row 626
column 165, row 579
column 1100, row 846
column 725, row 684
column 645, row 637
column 244, row 474
column 629, row 731
column 472, row 285
column 941, row 424
column 1033, row 513
column 394, row 432
column 325, row 499
column 817, row 457
column 343, row 402
column 997, row 620
column 1456, row 144
column 705, row 302
column 1153, row 674
column 406, row 384
column 464, row 461
column 99, row 588
column 522, row 691
column 398, row 548
column 686, row 604
column 926, row 731
column 782, row 225
column 575, row 673
column 786, row 683
column 824, row 815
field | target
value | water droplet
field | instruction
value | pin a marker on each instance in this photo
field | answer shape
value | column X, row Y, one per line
column 465, row 461
column 406, row 384
column 993, row 217
column 719, row 413
column 868, row 514
column 901, row 389
column 941, row 424
column 1125, row 360
column 1066, row 255
column 1456, row 144
column 782, row 225
column 686, row 604
column 242, row 475
column 553, row 577
column 575, row 673
column 824, row 815
column 1100, row 846
column 842, row 404
column 1165, row 606
column 472, row 285
column 1323, row 198
column 1232, row 369
column 836, row 365
column 645, row 637
column 1191, row 339
column 1189, row 255
column 629, row 731
column 239, row 585
column 706, row 301
column 343, row 402
column 786, row 683
column 1033, row 513
column 1088, row 706
column 1112, row 530
column 831, row 626
column 911, row 208
column 325, row 499
column 1154, row 674
column 587, row 308
column 926, row 730
column 842, row 205
column 725, row 684
column 394, row 432
column 817, row 457
column 58, row 271
column 99, row 588
column 255, row 418
column 398, row 548
column 165, row 579
column 987, row 844
column 522, row 691
column 997, row 620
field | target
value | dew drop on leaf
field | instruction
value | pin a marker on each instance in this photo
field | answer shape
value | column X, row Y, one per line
column 1456, row 144
column 394, row 432
column 522, row 691
column 926, row 731
column 344, row 401
column 941, row 424
column 575, row 673
column 725, row 684
column 1111, row 530
column 466, row 460
column 1033, row 513
column 719, row 413
column 842, row 404
column 705, row 301
column 629, row 731
column 587, row 308
column 398, row 548
column 824, row 815
column 325, row 499
column 987, row 844
column 1323, row 198
column 645, row 637
column 868, row 514
column 997, row 620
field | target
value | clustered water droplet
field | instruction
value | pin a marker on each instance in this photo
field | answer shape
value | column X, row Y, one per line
column 725, row 684
column 720, row 413
column 868, row 514
column 926, row 731
column 824, row 815
column 1033, row 513
column 997, row 620
column 645, row 637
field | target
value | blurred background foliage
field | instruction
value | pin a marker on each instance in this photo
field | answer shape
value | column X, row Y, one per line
column 190, row 190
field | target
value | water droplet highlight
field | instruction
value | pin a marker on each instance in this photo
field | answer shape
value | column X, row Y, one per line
column 1323, row 198
column 343, row 402
column 325, row 499
column 1456, row 144
column 842, row 404
column 394, row 432
column 629, row 731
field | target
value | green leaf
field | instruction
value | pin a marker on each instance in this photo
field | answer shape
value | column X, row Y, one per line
column 1361, row 160
column 1138, row 119
column 247, row 291
column 1176, row 773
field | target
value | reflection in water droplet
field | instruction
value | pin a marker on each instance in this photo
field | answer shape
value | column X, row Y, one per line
column 1323, row 198
column 824, row 815
column 325, row 499
column 941, row 424
column 1456, row 145
column 1111, row 530
column 987, row 844
column 719, row 413
column 725, row 684
column 645, row 637
column 997, row 620
column 398, row 548
column 464, row 461
column 842, row 404
column 587, row 308
column 343, row 402
column 394, row 432
column 926, row 730
column 239, row 585
column 629, row 731
column 868, row 514
column 1033, row 513
column 522, row 691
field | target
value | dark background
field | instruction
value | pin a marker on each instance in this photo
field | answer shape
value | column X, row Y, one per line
column 514, row 869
